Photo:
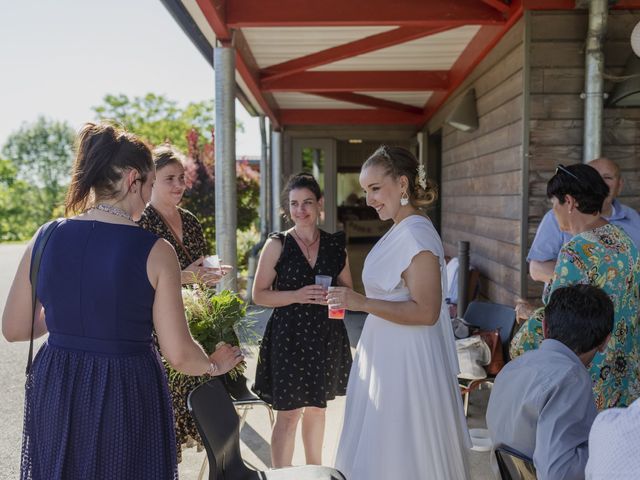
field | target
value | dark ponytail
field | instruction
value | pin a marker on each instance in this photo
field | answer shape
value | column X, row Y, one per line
column 104, row 152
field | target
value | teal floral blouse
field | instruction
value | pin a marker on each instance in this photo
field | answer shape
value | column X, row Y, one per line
column 607, row 258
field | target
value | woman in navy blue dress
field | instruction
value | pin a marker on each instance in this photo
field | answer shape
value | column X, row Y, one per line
column 97, row 404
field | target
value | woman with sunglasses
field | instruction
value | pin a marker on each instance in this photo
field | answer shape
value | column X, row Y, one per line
column 599, row 254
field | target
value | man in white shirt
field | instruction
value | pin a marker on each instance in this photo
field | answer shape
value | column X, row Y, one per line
column 542, row 402
column 614, row 444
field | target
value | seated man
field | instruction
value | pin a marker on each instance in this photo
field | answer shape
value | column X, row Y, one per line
column 614, row 443
column 542, row 402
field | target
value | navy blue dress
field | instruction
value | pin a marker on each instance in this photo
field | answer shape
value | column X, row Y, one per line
column 97, row 405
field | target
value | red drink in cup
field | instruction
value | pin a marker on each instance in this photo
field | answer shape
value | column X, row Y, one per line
column 336, row 313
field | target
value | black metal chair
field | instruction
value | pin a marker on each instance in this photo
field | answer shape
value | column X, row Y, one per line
column 488, row 316
column 243, row 398
column 218, row 425
column 514, row 465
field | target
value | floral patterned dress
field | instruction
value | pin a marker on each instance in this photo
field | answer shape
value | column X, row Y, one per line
column 195, row 245
column 607, row 258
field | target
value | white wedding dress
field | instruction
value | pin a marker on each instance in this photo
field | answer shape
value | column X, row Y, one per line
column 403, row 417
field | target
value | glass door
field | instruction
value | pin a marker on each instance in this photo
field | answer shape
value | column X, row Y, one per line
column 318, row 157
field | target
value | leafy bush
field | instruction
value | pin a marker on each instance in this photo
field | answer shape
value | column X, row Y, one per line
column 246, row 241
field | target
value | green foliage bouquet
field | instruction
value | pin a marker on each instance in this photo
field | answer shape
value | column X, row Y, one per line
column 215, row 317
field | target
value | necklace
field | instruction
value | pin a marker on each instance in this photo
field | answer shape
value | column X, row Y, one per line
column 118, row 212
column 306, row 245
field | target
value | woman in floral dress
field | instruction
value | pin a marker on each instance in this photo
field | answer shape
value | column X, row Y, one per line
column 599, row 254
column 182, row 229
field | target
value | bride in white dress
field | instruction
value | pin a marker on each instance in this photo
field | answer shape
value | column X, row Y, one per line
column 403, row 416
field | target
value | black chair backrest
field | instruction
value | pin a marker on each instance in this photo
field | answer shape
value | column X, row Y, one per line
column 492, row 316
column 514, row 465
column 218, row 425
column 236, row 387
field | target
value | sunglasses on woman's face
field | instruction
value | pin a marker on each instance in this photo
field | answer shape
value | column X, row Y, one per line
column 562, row 168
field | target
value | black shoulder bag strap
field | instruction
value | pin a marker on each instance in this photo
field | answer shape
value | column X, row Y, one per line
column 40, row 243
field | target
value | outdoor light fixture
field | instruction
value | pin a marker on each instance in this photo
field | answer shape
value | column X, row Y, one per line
column 635, row 39
column 465, row 114
column 627, row 92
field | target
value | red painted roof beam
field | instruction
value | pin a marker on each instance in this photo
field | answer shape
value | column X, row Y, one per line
column 498, row 5
column 348, row 50
column 214, row 11
column 361, row 81
column 371, row 102
column 338, row 116
column 415, row 13
column 479, row 47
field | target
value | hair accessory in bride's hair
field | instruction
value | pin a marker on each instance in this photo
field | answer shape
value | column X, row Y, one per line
column 422, row 176
column 384, row 152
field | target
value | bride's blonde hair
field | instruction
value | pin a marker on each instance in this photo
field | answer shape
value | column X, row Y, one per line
column 398, row 161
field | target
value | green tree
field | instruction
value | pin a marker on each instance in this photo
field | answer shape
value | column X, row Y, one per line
column 158, row 119
column 21, row 208
column 42, row 154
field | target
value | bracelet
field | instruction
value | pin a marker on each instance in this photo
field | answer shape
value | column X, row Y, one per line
column 212, row 370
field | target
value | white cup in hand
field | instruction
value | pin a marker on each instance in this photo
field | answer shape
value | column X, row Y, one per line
column 212, row 261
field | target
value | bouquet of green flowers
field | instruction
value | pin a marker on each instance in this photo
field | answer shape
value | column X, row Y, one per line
column 216, row 317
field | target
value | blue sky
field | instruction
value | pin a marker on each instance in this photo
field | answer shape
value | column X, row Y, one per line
column 59, row 58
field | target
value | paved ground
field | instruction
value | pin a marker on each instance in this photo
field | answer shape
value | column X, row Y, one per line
column 255, row 434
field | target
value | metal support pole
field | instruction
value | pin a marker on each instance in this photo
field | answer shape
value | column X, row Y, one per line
column 225, row 166
column 593, row 81
column 276, row 180
column 264, row 183
column 463, row 277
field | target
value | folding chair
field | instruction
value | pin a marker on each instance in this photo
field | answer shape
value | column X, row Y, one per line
column 488, row 316
column 218, row 425
column 514, row 465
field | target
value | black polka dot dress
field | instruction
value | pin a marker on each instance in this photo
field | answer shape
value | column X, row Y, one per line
column 305, row 357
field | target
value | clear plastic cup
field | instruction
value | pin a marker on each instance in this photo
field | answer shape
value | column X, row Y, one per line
column 336, row 313
column 324, row 280
column 211, row 261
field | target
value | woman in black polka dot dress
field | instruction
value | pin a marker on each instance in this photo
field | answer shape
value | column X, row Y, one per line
column 305, row 357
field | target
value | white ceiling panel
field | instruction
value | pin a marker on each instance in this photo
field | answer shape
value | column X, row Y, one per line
column 271, row 46
column 435, row 52
column 304, row 100
column 417, row 99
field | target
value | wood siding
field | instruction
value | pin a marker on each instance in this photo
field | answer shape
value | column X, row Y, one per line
column 557, row 58
column 481, row 184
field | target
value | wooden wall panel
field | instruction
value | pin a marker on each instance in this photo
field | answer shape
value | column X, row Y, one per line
column 494, row 141
column 506, row 160
column 481, row 181
column 489, row 206
column 556, row 110
column 499, row 229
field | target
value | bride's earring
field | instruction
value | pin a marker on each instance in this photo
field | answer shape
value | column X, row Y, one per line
column 404, row 199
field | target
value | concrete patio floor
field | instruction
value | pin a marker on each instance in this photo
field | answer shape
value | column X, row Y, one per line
column 256, row 433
